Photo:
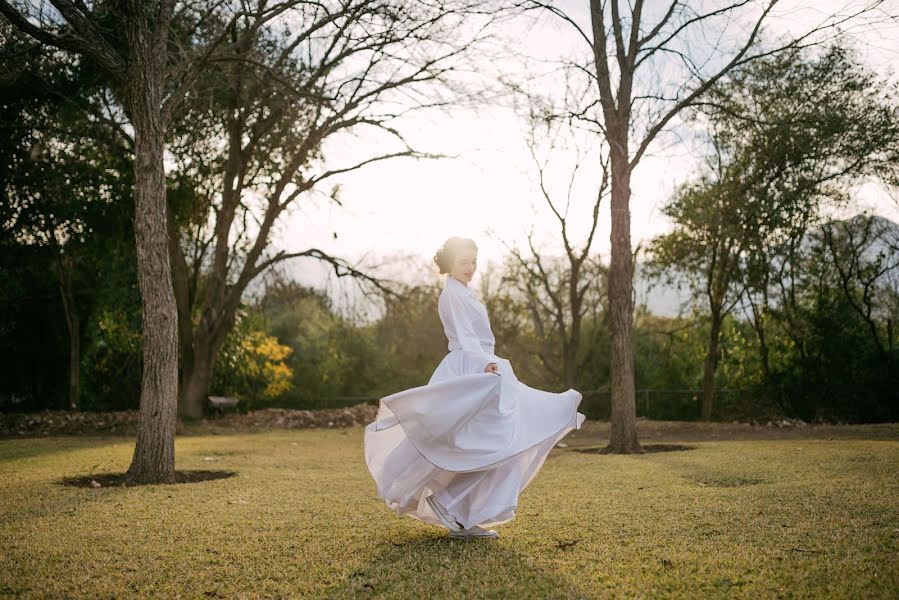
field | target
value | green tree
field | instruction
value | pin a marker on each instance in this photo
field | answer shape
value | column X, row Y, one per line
column 65, row 180
column 149, row 72
column 252, row 365
column 789, row 135
column 836, row 348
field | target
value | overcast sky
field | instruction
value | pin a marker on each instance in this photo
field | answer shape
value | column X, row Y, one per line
column 410, row 207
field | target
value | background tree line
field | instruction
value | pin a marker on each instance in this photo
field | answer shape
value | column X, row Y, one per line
column 794, row 310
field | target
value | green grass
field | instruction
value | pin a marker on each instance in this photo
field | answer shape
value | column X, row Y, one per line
column 806, row 518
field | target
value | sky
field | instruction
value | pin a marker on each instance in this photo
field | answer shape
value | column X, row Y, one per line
column 395, row 214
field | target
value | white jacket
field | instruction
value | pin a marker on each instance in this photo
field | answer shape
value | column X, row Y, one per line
column 466, row 323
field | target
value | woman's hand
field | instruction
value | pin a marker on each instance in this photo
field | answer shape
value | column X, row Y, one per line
column 491, row 368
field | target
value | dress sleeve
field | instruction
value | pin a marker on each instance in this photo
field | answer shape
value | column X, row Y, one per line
column 457, row 323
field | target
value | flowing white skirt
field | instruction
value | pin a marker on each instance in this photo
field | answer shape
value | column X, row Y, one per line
column 475, row 440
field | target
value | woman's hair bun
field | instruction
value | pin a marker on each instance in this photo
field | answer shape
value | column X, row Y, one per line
column 447, row 253
column 440, row 260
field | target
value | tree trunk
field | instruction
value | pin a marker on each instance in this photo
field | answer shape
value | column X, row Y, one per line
column 764, row 356
column 74, row 326
column 623, row 435
column 758, row 323
column 574, row 338
column 710, row 366
column 195, row 386
column 197, row 374
column 192, row 391
column 568, row 365
column 154, row 453
column 74, row 363
column 198, row 349
column 890, row 344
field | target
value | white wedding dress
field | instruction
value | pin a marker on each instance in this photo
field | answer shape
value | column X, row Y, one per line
column 473, row 439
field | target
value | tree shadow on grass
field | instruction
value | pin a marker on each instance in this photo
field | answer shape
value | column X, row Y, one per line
column 437, row 566
column 118, row 479
column 647, row 448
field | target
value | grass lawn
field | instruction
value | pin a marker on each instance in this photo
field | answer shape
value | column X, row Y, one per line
column 795, row 518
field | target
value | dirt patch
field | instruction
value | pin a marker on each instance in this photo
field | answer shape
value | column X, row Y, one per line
column 60, row 422
column 64, row 422
column 596, row 433
column 592, row 434
column 727, row 481
column 647, row 448
column 285, row 418
column 118, row 479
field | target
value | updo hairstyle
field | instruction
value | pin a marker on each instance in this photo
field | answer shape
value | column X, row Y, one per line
column 447, row 253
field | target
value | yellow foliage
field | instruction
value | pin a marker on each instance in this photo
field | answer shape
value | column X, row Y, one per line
column 268, row 355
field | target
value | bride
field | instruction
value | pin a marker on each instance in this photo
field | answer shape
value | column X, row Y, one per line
column 458, row 451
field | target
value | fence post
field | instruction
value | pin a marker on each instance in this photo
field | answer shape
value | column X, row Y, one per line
column 646, row 403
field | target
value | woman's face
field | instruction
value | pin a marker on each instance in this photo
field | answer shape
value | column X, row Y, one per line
column 464, row 265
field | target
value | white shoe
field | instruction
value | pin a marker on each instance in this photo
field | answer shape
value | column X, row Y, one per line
column 448, row 522
column 474, row 532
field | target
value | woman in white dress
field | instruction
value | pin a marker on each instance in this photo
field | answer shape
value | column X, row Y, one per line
column 458, row 451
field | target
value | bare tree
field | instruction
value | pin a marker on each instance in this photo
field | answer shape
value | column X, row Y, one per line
column 560, row 291
column 646, row 73
column 250, row 144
